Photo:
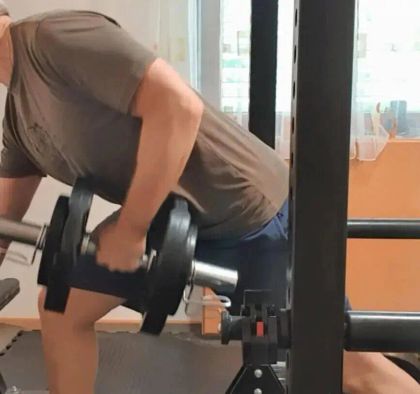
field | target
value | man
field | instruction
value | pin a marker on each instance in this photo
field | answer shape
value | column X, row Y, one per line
column 86, row 100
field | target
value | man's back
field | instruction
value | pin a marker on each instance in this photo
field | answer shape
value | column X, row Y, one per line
column 68, row 115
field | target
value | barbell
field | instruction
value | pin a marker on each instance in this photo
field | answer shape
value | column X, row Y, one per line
column 169, row 269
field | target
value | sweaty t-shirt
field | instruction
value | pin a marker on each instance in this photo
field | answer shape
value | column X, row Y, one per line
column 68, row 116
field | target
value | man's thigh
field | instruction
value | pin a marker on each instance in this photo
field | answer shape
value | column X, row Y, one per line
column 90, row 276
column 261, row 259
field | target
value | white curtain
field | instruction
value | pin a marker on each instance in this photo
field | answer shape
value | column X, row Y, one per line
column 368, row 136
column 385, row 72
column 386, row 103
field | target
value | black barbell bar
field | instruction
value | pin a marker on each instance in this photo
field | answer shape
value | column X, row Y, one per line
column 29, row 233
column 375, row 331
column 364, row 331
column 384, row 228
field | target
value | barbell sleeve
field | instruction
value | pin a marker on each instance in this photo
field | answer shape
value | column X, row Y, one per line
column 210, row 275
column 26, row 233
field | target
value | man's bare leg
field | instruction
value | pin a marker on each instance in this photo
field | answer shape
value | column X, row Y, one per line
column 69, row 341
column 372, row 373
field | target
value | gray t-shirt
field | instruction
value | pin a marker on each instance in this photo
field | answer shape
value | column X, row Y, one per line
column 68, row 115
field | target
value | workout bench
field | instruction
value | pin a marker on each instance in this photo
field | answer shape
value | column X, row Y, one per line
column 9, row 289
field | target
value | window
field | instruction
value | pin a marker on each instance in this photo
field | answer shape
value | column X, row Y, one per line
column 386, row 72
column 235, row 48
column 235, row 59
column 387, row 64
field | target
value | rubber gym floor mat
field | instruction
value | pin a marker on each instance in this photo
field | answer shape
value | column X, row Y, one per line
column 135, row 364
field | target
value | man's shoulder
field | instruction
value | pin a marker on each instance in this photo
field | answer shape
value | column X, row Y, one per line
column 44, row 34
column 55, row 20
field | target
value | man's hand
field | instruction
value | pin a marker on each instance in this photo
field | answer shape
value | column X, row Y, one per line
column 119, row 250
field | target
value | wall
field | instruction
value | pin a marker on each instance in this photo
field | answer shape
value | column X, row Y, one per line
column 381, row 274
column 142, row 18
column 384, row 274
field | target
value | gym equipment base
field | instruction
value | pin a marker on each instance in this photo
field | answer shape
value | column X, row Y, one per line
column 180, row 363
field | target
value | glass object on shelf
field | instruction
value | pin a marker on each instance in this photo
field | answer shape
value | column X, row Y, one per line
column 369, row 137
column 387, row 60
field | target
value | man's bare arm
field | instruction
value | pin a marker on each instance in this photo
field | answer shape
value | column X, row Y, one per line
column 171, row 113
column 15, row 197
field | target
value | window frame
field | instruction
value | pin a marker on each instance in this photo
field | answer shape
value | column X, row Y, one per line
column 209, row 50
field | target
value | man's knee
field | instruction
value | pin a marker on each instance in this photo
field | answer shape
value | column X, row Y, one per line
column 51, row 320
column 48, row 319
column 41, row 301
column 83, row 309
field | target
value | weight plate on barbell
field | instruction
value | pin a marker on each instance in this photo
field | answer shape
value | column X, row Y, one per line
column 53, row 238
column 171, row 271
column 74, row 229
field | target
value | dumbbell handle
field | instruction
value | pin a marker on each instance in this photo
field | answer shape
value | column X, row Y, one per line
column 202, row 274
column 88, row 247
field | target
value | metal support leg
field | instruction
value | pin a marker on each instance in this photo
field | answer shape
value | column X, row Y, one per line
column 258, row 329
column 256, row 381
column 319, row 162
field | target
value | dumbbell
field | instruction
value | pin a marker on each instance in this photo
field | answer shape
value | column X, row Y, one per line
column 169, row 269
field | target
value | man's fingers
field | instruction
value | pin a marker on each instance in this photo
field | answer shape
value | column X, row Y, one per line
column 124, row 268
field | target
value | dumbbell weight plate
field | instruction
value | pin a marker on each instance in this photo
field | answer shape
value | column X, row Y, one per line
column 171, row 271
column 53, row 239
column 73, row 233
